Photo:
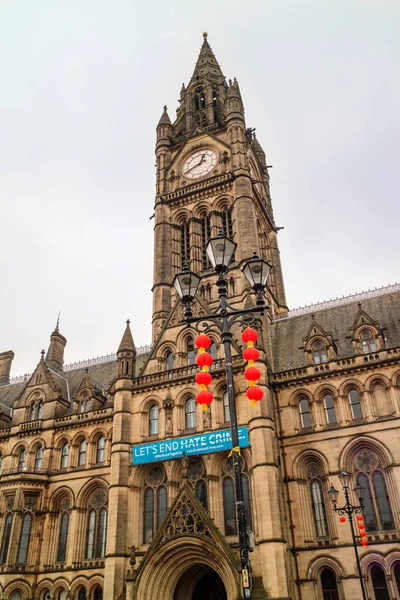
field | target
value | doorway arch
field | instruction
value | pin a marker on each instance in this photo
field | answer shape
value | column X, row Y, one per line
column 200, row 582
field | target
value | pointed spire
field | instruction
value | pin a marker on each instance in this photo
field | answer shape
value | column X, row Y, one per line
column 58, row 322
column 127, row 344
column 207, row 66
column 55, row 353
column 164, row 119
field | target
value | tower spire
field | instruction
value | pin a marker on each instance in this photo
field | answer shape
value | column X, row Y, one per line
column 207, row 66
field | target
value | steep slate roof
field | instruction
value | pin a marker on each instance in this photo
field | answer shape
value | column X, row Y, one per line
column 288, row 333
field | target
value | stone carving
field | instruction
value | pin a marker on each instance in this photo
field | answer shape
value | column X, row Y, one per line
column 98, row 498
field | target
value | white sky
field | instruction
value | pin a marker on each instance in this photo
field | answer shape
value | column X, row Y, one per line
column 82, row 86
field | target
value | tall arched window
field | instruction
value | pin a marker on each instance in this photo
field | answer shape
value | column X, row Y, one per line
column 329, row 407
column 205, row 236
column 169, row 360
column 195, row 474
column 64, row 456
column 22, row 460
column 228, row 492
column 355, row 404
column 81, row 594
column 329, row 585
column 96, row 529
column 32, row 412
column 38, row 458
column 82, row 453
column 397, row 577
column 100, row 451
column 213, row 350
column 63, row 537
column 319, row 353
column 24, row 538
column 227, row 412
column 185, row 244
column 153, row 420
column 379, row 583
column 155, row 502
column 377, row 510
column 368, row 343
column 5, row 542
column 382, row 500
column 40, row 410
column 318, row 507
column 98, row 594
column 305, row 414
column 191, row 355
column 190, row 413
column 15, row 596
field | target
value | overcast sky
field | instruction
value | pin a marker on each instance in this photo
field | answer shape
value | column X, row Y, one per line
column 82, row 86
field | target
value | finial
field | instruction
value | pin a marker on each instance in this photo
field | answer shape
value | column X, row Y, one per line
column 87, row 370
column 165, row 108
column 205, row 34
column 128, row 322
column 359, row 304
column 58, row 322
column 42, row 353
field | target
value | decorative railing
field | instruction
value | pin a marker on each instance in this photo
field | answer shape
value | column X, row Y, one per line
column 30, row 425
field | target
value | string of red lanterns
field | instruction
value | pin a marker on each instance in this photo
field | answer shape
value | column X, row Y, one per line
column 361, row 527
column 250, row 354
column 203, row 378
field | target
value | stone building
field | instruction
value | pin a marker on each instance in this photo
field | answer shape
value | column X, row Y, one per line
column 79, row 521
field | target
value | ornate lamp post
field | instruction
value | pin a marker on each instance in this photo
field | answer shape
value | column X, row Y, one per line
column 220, row 250
column 350, row 510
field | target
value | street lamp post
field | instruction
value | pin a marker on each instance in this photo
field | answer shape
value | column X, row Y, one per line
column 349, row 509
column 220, row 250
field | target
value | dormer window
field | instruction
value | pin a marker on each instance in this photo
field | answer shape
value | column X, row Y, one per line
column 319, row 353
column 368, row 343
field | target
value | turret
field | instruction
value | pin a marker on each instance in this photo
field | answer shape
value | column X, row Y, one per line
column 126, row 355
column 55, row 353
column 6, row 359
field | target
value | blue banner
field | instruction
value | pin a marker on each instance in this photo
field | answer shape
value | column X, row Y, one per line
column 187, row 446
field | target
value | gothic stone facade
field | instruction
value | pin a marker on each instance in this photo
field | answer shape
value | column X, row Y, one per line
column 79, row 521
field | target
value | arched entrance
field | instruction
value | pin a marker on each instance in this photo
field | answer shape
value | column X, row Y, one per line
column 200, row 582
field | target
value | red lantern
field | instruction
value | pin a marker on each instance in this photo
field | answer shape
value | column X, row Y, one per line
column 359, row 518
column 204, row 359
column 249, row 335
column 361, row 525
column 252, row 373
column 202, row 341
column 204, row 398
column 363, row 534
column 254, row 393
column 251, row 353
column 364, row 542
column 342, row 519
column 203, row 378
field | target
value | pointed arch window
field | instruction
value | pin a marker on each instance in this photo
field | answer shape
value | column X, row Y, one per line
column 329, row 408
column 213, row 350
column 40, row 410
column 397, row 577
column 153, row 420
column 169, row 360
column 196, row 478
column 379, row 583
column 185, row 244
column 22, row 460
column 190, row 413
column 227, row 412
column 319, row 353
column 205, row 236
column 355, row 404
column 32, row 412
column 305, row 413
column 82, row 594
column 368, row 343
column 96, row 529
column 24, row 539
column 229, row 501
column 82, row 453
column 329, row 585
column 318, row 506
column 377, row 511
column 5, row 542
column 64, row 456
column 98, row 594
column 227, row 226
column 63, row 537
column 38, row 459
column 155, row 502
column 191, row 355
column 100, row 451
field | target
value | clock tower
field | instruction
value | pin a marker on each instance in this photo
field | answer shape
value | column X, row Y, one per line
column 211, row 175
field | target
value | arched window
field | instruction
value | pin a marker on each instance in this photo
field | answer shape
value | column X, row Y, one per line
column 81, row 594
column 40, row 410
column 213, row 350
column 22, row 460
column 305, row 414
column 228, row 492
column 101, row 444
column 169, row 360
column 246, row 500
column 5, row 542
column 227, row 413
column 62, row 595
column 63, row 537
column 329, row 585
column 377, row 510
column 64, row 456
column 38, row 459
column 32, row 412
column 379, row 583
column 195, row 475
column 82, row 453
column 84, row 404
column 397, row 577
column 382, row 500
column 368, row 343
column 319, row 353
column 153, row 420
column 191, row 355
column 98, row 594
column 155, row 501
column 96, row 528
column 317, row 500
column 15, row 596
column 190, row 413
column 24, row 539
column 185, row 244
column 329, row 407
column 205, row 236
column 369, row 509
column 355, row 404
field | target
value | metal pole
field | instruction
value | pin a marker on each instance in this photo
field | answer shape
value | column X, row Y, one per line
column 350, row 515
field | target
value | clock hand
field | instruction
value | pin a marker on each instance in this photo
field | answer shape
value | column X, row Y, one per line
column 203, row 156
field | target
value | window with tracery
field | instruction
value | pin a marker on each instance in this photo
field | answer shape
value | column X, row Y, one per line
column 319, row 353
column 153, row 420
column 377, row 511
column 84, row 403
column 190, row 413
column 38, row 458
column 100, row 450
column 329, row 408
column 82, row 453
column 96, row 529
column 229, row 500
column 379, row 583
column 196, row 478
column 227, row 226
column 155, row 502
column 64, row 456
column 5, row 542
column 329, row 585
column 40, row 410
column 205, row 236
column 32, row 412
column 355, row 404
column 22, row 460
column 314, row 477
column 24, row 539
column 368, row 343
column 63, row 530
column 191, row 354
column 305, row 413
column 185, row 244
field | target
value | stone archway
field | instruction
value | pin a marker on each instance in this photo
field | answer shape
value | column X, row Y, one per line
column 200, row 582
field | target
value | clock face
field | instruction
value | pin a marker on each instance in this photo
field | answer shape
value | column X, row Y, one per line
column 199, row 163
